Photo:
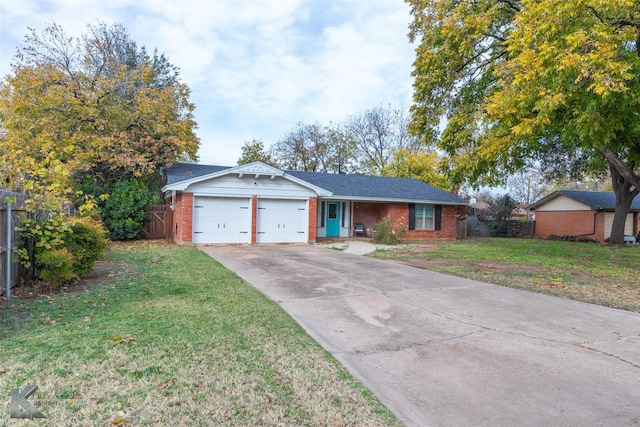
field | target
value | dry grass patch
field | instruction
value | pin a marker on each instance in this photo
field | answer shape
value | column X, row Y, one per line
column 166, row 336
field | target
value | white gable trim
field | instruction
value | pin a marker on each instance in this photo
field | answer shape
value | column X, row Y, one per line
column 254, row 169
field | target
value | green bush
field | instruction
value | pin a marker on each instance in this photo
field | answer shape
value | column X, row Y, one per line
column 56, row 266
column 58, row 250
column 498, row 229
column 86, row 242
column 123, row 212
column 383, row 233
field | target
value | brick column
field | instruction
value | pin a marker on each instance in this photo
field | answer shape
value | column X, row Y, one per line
column 182, row 224
column 254, row 219
column 313, row 218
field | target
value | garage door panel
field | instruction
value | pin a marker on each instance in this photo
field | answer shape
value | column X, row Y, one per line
column 221, row 220
column 281, row 221
column 608, row 224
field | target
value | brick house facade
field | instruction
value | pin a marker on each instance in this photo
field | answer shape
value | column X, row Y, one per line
column 370, row 214
column 256, row 203
column 581, row 213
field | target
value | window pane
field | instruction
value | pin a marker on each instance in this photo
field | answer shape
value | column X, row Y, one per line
column 428, row 223
column 333, row 211
column 424, row 216
column 428, row 210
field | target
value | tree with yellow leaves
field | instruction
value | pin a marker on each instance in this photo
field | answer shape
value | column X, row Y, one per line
column 518, row 81
column 425, row 165
column 96, row 108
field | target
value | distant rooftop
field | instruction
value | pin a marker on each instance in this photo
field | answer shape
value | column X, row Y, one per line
column 597, row 200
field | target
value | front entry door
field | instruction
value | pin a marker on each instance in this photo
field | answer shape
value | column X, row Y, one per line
column 333, row 219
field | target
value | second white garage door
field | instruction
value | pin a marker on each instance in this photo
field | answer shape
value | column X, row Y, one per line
column 221, row 220
column 281, row 221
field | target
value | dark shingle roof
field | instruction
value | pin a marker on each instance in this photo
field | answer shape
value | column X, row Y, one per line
column 341, row 185
column 594, row 199
column 183, row 171
column 378, row 187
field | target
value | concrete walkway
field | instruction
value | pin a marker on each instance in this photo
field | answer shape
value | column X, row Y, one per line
column 445, row 351
column 358, row 247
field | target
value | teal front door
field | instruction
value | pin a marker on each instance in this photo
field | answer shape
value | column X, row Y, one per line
column 333, row 219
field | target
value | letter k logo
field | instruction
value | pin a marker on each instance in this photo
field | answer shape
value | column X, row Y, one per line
column 20, row 406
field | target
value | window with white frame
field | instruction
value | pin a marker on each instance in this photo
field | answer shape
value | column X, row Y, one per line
column 424, row 217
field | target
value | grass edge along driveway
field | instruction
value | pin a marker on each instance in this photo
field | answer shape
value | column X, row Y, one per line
column 164, row 335
column 593, row 273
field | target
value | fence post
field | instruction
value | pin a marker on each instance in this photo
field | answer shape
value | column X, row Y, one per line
column 9, row 249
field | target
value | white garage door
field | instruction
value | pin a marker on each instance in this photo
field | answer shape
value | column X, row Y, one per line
column 281, row 221
column 221, row 220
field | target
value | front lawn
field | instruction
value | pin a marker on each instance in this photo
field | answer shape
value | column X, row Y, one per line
column 164, row 335
column 595, row 273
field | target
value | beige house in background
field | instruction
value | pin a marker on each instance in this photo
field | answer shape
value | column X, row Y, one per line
column 581, row 213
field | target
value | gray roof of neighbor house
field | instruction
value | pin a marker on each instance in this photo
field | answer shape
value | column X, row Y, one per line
column 597, row 200
column 341, row 185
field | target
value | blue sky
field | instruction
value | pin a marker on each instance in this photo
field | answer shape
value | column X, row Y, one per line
column 255, row 68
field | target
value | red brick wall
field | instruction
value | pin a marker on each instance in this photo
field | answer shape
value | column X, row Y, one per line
column 313, row 218
column 183, row 218
column 570, row 223
column 254, row 219
column 370, row 213
column 365, row 213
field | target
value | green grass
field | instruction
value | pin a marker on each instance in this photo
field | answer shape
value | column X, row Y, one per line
column 601, row 274
column 167, row 336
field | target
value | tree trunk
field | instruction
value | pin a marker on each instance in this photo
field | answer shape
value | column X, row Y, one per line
column 625, row 193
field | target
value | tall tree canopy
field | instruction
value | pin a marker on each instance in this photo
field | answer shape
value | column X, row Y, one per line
column 375, row 141
column 94, row 106
column 254, row 151
column 377, row 133
column 519, row 80
column 304, row 148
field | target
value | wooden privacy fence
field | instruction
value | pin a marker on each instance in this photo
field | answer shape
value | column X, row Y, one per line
column 461, row 228
column 158, row 225
column 517, row 228
column 5, row 252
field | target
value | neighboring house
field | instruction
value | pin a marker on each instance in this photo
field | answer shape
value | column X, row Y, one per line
column 256, row 203
column 520, row 212
column 477, row 208
column 581, row 213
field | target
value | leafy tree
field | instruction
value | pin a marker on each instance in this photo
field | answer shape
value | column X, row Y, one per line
column 96, row 106
column 519, row 80
column 253, row 151
column 341, row 150
column 424, row 165
column 316, row 148
column 303, row 148
column 460, row 45
column 499, row 211
column 123, row 212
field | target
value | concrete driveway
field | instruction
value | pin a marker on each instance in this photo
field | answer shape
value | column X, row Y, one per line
column 444, row 351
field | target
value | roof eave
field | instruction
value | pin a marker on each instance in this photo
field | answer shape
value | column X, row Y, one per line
column 255, row 168
column 395, row 200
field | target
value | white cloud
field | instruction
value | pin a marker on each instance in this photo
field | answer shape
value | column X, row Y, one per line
column 255, row 67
